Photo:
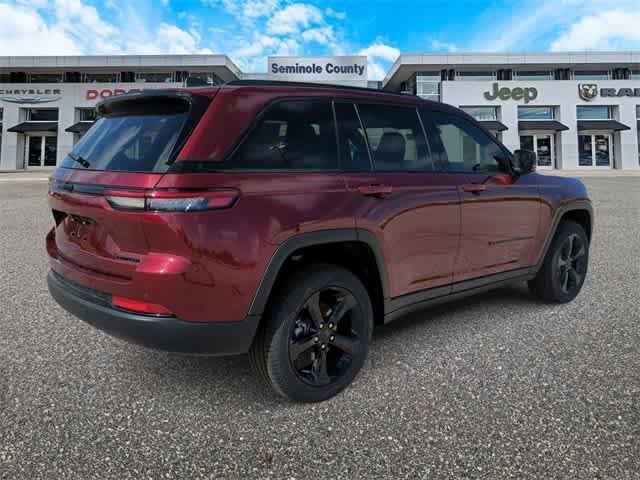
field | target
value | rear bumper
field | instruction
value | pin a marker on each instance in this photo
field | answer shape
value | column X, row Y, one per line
column 161, row 333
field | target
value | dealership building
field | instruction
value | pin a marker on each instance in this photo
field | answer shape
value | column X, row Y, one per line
column 575, row 110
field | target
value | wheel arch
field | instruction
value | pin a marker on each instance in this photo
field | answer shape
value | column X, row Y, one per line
column 579, row 211
column 349, row 243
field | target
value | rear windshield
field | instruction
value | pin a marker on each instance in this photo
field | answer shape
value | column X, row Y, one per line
column 136, row 134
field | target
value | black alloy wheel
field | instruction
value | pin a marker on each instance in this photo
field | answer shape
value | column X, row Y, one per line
column 572, row 264
column 564, row 268
column 325, row 336
column 315, row 335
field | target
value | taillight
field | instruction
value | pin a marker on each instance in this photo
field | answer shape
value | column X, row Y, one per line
column 140, row 306
column 172, row 201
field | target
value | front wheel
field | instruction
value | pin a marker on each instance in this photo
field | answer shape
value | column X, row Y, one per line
column 564, row 268
column 316, row 334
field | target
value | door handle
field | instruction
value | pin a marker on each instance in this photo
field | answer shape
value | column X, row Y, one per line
column 378, row 191
column 474, row 187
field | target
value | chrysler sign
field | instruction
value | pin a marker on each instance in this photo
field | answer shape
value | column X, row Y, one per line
column 30, row 95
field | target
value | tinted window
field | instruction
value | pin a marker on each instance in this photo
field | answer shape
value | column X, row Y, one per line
column 354, row 156
column 462, row 147
column 43, row 114
column 395, row 137
column 291, row 135
column 130, row 143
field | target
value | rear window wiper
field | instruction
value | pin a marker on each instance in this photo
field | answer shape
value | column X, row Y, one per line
column 79, row 159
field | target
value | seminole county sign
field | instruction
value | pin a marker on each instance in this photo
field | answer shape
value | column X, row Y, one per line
column 349, row 69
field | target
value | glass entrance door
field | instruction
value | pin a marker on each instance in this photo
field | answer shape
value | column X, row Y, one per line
column 542, row 144
column 595, row 150
column 41, row 151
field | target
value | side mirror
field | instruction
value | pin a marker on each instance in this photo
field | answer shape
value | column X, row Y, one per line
column 524, row 161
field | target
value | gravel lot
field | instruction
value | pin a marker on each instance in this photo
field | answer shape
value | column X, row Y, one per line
column 497, row 386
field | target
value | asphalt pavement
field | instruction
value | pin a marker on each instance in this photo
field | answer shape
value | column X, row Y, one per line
column 496, row 386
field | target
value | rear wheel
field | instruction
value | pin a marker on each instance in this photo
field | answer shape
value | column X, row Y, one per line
column 315, row 335
column 565, row 267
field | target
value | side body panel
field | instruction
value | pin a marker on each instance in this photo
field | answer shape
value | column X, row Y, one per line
column 417, row 225
column 499, row 226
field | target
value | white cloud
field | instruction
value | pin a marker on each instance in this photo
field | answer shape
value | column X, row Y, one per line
column 321, row 35
column 439, row 46
column 380, row 50
column 260, row 8
column 613, row 29
column 332, row 13
column 30, row 35
column 293, row 18
column 81, row 20
column 375, row 53
column 71, row 27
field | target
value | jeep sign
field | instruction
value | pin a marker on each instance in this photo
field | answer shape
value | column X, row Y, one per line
column 517, row 93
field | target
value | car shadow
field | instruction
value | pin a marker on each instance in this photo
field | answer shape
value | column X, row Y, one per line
column 230, row 379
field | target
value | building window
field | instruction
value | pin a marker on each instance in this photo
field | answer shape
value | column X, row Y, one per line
column 209, row 78
column 42, row 115
column 536, row 113
column 635, row 75
column 595, row 112
column 482, row 113
column 592, row 75
column 476, row 75
column 101, row 77
column 426, row 85
column 155, row 77
column 46, row 77
column 87, row 115
column 534, row 75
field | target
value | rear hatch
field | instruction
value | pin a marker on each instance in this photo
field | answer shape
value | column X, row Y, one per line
column 97, row 193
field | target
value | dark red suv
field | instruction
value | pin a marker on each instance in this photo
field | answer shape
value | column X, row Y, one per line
column 286, row 220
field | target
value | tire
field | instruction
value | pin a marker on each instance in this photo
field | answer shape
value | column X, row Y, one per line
column 315, row 335
column 564, row 268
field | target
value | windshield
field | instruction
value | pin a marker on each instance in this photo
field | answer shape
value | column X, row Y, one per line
column 129, row 143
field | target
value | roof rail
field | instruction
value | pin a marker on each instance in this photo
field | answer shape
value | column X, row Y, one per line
column 282, row 83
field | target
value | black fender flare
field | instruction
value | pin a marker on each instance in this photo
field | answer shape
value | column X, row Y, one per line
column 321, row 237
column 584, row 205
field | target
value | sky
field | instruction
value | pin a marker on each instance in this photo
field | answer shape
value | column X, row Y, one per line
column 250, row 30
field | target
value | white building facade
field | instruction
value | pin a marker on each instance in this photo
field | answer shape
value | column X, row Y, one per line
column 48, row 103
column 575, row 110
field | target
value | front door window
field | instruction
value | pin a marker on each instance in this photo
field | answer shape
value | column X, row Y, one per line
column 542, row 144
column 595, row 150
column 41, row 151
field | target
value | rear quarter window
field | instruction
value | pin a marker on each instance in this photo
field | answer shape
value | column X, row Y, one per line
column 289, row 135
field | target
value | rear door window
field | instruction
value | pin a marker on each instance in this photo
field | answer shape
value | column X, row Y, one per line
column 396, row 138
column 290, row 135
column 352, row 141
